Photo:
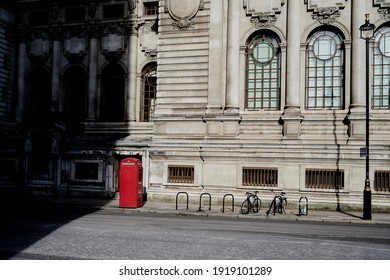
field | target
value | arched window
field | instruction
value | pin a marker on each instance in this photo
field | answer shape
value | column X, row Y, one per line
column 39, row 93
column 325, row 71
column 263, row 60
column 149, row 79
column 381, row 70
column 112, row 105
column 75, row 89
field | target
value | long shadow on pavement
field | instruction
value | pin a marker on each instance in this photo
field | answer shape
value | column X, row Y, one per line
column 26, row 220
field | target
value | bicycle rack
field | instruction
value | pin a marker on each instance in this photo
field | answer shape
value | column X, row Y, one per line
column 274, row 206
column 177, row 195
column 303, row 208
column 223, row 202
column 200, row 201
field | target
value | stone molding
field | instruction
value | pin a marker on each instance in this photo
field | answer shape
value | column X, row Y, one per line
column 263, row 13
column 325, row 12
column 182, row 12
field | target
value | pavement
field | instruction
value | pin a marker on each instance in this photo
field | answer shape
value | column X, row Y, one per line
column 171, row 208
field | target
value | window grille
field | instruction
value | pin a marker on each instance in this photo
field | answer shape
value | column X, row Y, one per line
column 382, row 180
column 151, row 8
column 181, row 174
column 324, row 178
column 254, row 176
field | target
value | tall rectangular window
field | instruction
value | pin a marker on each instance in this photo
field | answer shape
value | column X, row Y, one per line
column 263, row 74
column 381, row 70
column 324, row 71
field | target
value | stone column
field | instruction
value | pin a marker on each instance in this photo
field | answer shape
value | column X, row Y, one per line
column 132, row 76
column 293, row 56
column 56, row 105
column 357, row 128
column 358, row 83
column 21, row 103
column 292, row 111
column 92, row 78
column 233, row 57
column 216, row 90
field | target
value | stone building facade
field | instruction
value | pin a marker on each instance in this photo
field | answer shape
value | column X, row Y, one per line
column 214, row 96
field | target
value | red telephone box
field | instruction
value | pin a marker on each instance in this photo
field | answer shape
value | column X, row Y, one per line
column 130, row 183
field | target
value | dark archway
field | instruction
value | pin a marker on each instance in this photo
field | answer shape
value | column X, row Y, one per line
column 75, row 90
column 39, row 93
column 112, row 105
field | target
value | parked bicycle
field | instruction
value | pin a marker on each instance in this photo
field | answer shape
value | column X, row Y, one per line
column 278, row 204
column 252, row 203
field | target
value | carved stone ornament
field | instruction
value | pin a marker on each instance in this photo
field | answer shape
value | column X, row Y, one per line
column 263, row 13
column 39, row 47
column 182, row 11
column 384, row 8
column 75, row 44
column 263, row 20
column 113, row 42
column 326, row 16
column 384, row 12
column 325, row 11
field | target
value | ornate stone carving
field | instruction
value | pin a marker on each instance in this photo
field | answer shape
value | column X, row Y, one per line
column 148, row 26
column 263, row 20
column 75, row 43
column 263, row 13
column 384, row 12
column 131, row 6
column 326, row 15
column 39, row 46
column 182, row 11
column 325, row 11
column 151, row 54
column 384, row 8
column 92, row 9
column 113, row 42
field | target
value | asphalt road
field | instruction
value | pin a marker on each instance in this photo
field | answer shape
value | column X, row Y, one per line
column 63, row 233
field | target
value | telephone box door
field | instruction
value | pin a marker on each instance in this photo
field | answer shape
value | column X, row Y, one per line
column 130, row 183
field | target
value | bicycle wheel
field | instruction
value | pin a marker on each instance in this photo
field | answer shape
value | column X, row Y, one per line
column 256, row 205
column 279, row 205
column 245, row 207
